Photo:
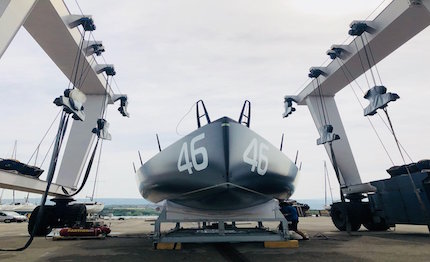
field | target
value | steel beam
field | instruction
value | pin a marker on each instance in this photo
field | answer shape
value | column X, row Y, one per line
column 79, row 143
column 10, row 180
column 12, row 16
column 394, row 26
column 48, row 25
column 48, row 22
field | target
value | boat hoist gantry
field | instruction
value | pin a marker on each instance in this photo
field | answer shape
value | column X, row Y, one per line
column 373, row 40
column 68, row 40
column 395, row 25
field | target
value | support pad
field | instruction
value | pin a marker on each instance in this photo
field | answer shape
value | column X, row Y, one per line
column 220, row 230
column 168, row 246
column 281, row 244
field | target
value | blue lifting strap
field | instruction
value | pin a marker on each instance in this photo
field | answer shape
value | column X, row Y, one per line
column 378, row 99
column 327, row 135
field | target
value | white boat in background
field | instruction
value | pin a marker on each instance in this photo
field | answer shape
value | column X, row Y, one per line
column 93, row 208
column 22, row 208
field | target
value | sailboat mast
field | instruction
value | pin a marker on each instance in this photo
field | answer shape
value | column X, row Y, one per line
column 325, row 184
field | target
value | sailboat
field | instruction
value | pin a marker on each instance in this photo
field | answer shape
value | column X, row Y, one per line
column 20, row 207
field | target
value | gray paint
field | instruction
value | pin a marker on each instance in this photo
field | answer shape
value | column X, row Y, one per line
column 228, row 182
column 3, row 6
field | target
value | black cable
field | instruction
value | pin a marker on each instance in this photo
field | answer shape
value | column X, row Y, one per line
column 75, row 59
column 342, row 65
column 379, row 115
column 79, row 58
column 373, row 58
column 324, row 104
column 322, row 117
column 85, row 71
column 361, row 62
column 87, row 173
column 44, row 136
column 97, row 170
column 368, row 60
column 49, row 179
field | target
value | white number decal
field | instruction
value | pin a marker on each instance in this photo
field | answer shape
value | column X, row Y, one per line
column 262, row 158
column 183, row 156
column 255, row 155
column 252, row 160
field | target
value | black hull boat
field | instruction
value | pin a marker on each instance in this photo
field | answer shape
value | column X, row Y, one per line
column 221, row 166
column 20, row 168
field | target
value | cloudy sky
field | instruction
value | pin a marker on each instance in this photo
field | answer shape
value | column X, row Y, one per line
column 169, row 54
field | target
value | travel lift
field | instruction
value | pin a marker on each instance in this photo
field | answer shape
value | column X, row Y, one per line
column 57, row 32
column 403, row 198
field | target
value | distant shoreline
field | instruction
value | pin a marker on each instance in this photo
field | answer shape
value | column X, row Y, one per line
column 317, row 204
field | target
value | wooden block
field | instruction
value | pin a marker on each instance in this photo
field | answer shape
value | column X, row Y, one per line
column 281, row 244
column 168, row 246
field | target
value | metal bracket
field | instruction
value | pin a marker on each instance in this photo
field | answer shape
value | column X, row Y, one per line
column 289, row 109
column 415, row 2
column 86, row 21
column 315, row 72
column 359, row 27
column 72, row 103
column 102, row 129
column 93, row 47
column 109, row 69
column 378, row 98
column 124, row 104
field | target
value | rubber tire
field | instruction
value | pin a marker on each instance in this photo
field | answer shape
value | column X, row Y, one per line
column 77, row 213
column 44, row 225
column 338, row 216
column 381, row 226
column 7, row 221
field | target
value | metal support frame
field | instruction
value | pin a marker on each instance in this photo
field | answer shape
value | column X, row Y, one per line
column 395, row 25
column 11, row 180
column 174, row 213
column 48, row 22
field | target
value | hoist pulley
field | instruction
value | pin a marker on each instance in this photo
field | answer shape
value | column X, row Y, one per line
column 94, row 47
column 334, row 52
column 109, row 69
column 357, row 28
column 85, row 20
column 102, row 129
column 123, row 104
column 315, row 72
column 289, row 109
column 72, row 103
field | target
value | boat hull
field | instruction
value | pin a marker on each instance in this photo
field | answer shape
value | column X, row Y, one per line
column 223, row 165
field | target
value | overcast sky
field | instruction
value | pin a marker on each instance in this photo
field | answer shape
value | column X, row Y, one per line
column 169, row 54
